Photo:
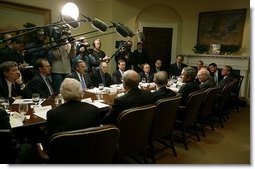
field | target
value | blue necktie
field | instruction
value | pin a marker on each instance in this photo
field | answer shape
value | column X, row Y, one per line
column 82, row 82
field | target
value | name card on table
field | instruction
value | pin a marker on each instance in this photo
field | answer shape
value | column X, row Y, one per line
column 42, row 111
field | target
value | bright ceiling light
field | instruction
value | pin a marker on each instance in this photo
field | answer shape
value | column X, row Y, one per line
column 70, row 9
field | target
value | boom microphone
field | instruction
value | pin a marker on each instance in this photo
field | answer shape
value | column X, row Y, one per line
column 130, row 32
column 70, row 21
column 99, row 25
column 120, row 29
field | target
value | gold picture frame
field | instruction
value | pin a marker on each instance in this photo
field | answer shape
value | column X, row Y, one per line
column 15, row 15
column 221, row 27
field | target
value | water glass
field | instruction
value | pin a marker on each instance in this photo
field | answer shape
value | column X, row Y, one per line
column 58, row 100
column 143, row 80
column 5, row 104
column 36, row 98
column 23, row 108
column 99, row 95
column 101, row 86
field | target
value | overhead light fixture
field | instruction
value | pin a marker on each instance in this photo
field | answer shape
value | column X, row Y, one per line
column 70, row 14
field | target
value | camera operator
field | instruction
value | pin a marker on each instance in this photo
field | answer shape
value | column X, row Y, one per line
column 62, row 55
column 125, row 54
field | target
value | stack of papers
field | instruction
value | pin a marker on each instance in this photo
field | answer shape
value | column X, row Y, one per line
column 42, row 111
column 28, row 101
column 96, row 103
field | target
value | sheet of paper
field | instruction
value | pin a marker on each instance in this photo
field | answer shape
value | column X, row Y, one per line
column 28, row 101
column 42, row 111
column 87, row 100
column 99, row 104
column 15, row 122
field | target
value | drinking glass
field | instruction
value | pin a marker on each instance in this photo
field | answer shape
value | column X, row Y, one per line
column 23, row 108
column 101, row 86
column 143, row 80
column 36, row 98
column 5, row 104
column 99, row 95
column 58, row 99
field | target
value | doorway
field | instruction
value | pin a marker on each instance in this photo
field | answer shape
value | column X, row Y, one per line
column 158, row 43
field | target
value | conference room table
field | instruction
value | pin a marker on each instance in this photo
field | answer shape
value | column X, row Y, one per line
column 104, row 102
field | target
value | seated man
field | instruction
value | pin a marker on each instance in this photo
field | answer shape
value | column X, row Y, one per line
column 41, row 83
column 161, row 79
column 146, row 73
column 11, row 84
column 176, row 68
column 134, row 97
column 101, row 76
column 188, row 75
column 73, row 114
column 215, row 72
column 79, row 73
column 205, row 79
column 117, row 74
column 226, row 74
column 157, row 67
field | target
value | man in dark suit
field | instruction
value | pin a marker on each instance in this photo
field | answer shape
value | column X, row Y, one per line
column 117, row 74
column 11, row 83
column 80, row 74
column 215, row 72
column 161, row 79
column 146, row 73
column 73, row 114
column 140, row 57
column 188, row 75
column 41, row 82
column 134, row 97
column 205, row 79
column 226, row 73
column 157, row 66
column 176, row 68
column 101, row 76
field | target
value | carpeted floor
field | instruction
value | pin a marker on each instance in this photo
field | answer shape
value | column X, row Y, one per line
column 228, row 145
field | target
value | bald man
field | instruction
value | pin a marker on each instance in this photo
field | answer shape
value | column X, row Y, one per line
column 134, row 97
column 205, row 79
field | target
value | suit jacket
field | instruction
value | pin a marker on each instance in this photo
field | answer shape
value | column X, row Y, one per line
column 163, row 92
column 96, row 79
column 38, row 85
column 207, row 84
column 116, row 77
column 4, row 91
column 8, row 54
column 220, row 77
column 134, row 97
column 174, row 70
column 154, row 70
column 186, row 89
column 140, row 58
column 72, row 115
column 150, row 79
column 225, row 80
column 86, row 77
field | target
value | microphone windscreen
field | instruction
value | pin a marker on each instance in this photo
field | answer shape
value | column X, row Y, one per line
column 141, row 36
column 99, row 25
column 121, row 30
column 70, row 21
column 130, row 32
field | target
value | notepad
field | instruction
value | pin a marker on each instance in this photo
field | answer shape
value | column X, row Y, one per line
column 42, row 111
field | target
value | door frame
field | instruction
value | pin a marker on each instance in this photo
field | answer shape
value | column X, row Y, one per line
column 174, row 26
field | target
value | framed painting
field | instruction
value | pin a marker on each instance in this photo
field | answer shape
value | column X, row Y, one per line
column 15, row 15
column 221, row 27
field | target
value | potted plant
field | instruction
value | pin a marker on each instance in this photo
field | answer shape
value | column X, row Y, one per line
column 229, row 49
column 200, row 48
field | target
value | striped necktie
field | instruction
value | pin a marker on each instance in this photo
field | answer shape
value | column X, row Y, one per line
column 83, row 84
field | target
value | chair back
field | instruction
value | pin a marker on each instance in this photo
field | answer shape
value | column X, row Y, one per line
column 194, row 101
column 134, row 125
column 210, row 98
column 165, row 115
column 95, row 145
